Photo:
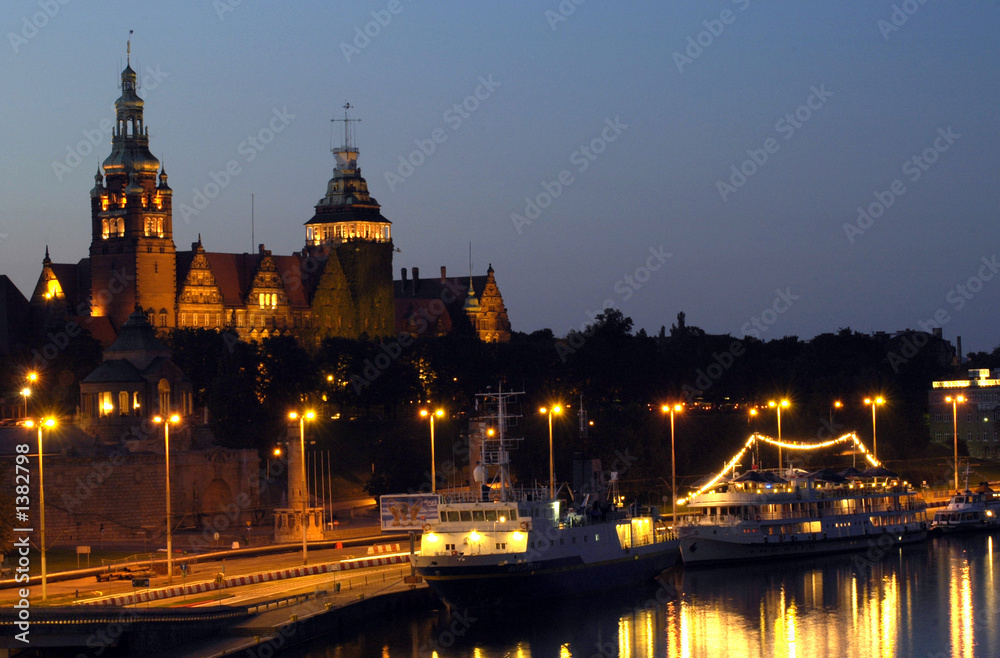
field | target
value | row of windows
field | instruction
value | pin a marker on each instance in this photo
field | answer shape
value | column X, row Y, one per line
column 110, row 404
column 114, row 227
column 969, row 436
column 121, row 201
column 320, row 234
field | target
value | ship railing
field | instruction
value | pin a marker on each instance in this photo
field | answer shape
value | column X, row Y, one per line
column 518, row 495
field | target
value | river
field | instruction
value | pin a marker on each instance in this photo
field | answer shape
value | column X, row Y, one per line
column 934, row 599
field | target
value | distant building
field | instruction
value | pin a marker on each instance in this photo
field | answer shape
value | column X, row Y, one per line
column 136, row 382
column 977, row 416
column 441, row 305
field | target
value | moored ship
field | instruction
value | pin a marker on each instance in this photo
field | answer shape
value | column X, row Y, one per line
column 787, row 513
column 504, row 544
column 968, row 511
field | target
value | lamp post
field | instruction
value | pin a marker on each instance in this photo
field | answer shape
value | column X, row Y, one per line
column 874, row 402
column 425, row 413
column 837, row 404
column 25, row 392
column 955, row 401
column 302, row 418
column 47, row 422
column 672, row 409
column 166, row 446
column 778, row 404
column 555, row 409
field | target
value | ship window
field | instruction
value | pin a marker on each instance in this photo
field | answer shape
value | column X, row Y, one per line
column 478, row 515
column 453, row 516
column 443, row 516
column 512, row 515
column 597, row 538
column 466, row 515
column 491, row 515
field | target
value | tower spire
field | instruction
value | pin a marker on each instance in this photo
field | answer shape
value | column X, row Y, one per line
column 128, row 49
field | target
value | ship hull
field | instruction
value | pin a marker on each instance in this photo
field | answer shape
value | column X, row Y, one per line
column 700, row 550
column 468, row 584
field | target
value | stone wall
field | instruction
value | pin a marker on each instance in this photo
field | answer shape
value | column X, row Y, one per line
column 124, row 493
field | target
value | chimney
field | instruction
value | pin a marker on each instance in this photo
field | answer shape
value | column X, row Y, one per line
column 402, row 272
column 958, row 342
column 444, row 274
column 416, row 278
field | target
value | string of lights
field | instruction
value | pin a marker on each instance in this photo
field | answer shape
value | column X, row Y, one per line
column 789, row 445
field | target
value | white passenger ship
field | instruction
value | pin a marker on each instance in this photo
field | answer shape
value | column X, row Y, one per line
column 771, row 514
column 501, row 544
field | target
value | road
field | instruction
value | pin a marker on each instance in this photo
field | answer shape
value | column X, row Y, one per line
column 82, row 590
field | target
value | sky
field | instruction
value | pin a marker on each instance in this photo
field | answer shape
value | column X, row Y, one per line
column 770, row 169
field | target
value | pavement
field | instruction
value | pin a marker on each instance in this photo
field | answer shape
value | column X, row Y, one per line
column 67, row 588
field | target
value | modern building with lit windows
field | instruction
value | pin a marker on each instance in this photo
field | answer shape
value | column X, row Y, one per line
column 975, row 403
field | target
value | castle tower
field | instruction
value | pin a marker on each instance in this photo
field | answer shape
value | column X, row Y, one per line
column 132, row 252
column 349, row 235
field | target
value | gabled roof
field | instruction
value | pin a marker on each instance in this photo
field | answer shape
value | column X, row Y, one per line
column 234, row 275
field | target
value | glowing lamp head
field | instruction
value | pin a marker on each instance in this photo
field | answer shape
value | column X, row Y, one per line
column 25, row 392
column 474, row 536
column 32, row 376
column 518, row 535
column 503, row 519
column 430, row 537
column 276, row 452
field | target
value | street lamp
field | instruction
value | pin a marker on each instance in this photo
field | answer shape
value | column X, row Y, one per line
column 424, row 413
column 837, row 404
column 555, row 409
column 25, row 392
column 874, row 402
column 672, row 409
column 166, row 446
column 778, row 405
column 302, row 418
column 46, row 422
column 955, row 401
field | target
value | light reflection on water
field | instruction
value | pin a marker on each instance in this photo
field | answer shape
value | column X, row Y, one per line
column 932, row 600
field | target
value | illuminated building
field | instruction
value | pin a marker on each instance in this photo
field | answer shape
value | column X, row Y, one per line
column 339, row 284
column 977, row 416
column 439, row 306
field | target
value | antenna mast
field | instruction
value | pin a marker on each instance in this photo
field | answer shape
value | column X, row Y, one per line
column 348, row 134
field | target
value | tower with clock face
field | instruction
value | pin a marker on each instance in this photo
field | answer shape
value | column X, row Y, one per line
column 133, row 260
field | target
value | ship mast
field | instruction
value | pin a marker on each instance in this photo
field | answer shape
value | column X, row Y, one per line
column 496, row 442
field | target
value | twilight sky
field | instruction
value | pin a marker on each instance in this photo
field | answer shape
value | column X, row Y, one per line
column 709, row 157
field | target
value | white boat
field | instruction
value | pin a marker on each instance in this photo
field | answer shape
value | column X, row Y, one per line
column 968, row 511
column 503, row 544
column 763, row 515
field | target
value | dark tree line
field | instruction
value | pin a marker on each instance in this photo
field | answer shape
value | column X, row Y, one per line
column 368, row 392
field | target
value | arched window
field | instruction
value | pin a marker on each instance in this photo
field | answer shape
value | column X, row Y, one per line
column 105, row 232
column 163, row 389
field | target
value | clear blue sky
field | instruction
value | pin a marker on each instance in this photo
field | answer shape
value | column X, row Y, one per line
column 669, row 117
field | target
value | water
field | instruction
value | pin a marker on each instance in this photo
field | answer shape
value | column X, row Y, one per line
column 935, row 599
